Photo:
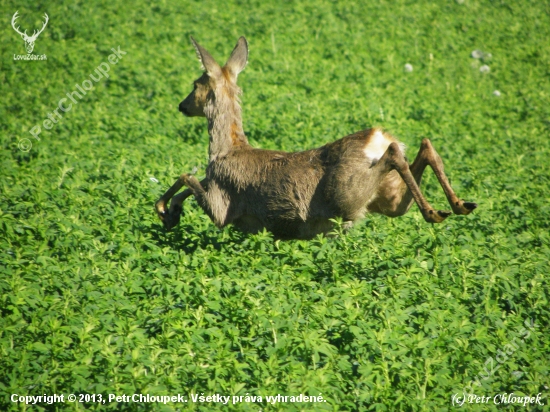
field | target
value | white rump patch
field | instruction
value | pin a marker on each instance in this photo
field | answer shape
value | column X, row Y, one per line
column 378, row 144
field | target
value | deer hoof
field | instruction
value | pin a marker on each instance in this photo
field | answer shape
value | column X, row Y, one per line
column 463, row 208
column 437, row 216
column 172, row 217
column 159, row 208
column 171, row 221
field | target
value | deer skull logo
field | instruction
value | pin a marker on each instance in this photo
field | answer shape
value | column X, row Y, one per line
column 29, row 40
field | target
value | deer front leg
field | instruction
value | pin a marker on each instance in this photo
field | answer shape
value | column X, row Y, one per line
column 171, row 217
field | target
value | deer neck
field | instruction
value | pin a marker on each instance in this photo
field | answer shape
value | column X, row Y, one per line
column 224, row 125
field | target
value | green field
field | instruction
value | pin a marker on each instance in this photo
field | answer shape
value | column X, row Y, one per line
column 396, row 314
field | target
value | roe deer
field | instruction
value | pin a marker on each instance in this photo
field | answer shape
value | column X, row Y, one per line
column 294, row 195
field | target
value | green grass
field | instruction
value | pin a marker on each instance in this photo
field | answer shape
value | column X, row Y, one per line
column 397, row 314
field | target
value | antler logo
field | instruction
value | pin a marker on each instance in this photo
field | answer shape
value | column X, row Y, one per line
column 29, row 40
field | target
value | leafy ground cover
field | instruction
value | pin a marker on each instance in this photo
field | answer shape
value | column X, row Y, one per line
column 95, row 297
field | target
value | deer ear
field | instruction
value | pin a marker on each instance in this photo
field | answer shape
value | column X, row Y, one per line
column 238, row 59
column 209, row 64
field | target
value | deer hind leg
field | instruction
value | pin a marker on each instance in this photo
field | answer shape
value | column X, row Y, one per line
column 171, row 217
column 394, row 196
column 428, row 155
column 398, row 187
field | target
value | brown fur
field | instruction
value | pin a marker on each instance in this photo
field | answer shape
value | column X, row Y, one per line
column 294, row 195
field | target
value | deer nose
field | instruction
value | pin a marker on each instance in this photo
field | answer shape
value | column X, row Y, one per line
column 182, row 108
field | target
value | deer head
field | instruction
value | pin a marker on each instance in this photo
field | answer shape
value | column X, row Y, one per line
column 216, row 79
column 29, row 40
column 215, row 96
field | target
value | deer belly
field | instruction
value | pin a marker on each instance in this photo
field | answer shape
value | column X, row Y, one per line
column 297, row 229
column 248, row 224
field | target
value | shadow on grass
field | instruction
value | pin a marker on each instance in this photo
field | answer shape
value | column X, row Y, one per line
column 188, row 238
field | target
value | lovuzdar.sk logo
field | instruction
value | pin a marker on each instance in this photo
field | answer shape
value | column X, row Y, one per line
column 29, row 40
